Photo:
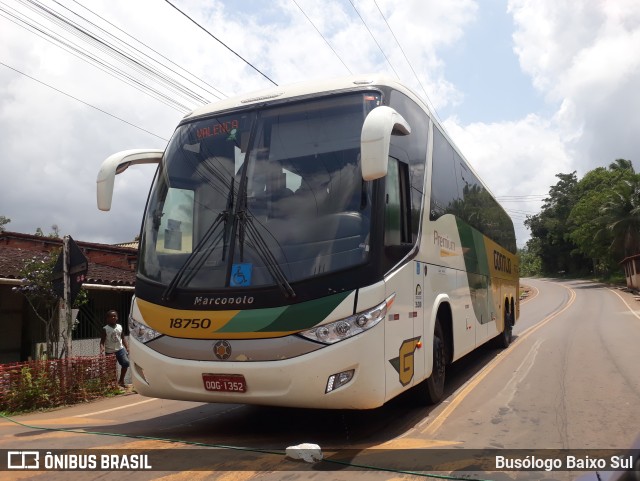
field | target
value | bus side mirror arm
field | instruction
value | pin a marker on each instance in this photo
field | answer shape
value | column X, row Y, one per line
column 118, row 163
column 381, row 123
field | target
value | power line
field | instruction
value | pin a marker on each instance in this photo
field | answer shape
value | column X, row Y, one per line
column 323, row 37
column 114, row 51
column 150, row 48
column 111, row 50
column 374, row 39
column 82, row 101
column 40, row 31
column 405, row 57
column 222, row 43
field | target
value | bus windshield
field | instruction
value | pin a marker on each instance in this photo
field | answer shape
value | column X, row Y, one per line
column 258, row 198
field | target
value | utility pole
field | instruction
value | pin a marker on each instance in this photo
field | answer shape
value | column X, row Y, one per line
column 67, row 296
column 69, row 273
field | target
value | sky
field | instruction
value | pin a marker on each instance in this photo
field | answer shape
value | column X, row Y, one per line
column 526, row 89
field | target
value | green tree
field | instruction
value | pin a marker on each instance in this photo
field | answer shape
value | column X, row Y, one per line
column 556, row 250
column 3, row 221
column 530, row 263
column 38, row 291
column 54, row 234
column 622, row 164
column 621, row 215
column 589, row 222
column 37, row 288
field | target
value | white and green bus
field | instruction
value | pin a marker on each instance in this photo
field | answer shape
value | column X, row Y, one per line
column 320, row 245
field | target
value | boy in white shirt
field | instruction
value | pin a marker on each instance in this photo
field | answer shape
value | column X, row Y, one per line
column 112, row 341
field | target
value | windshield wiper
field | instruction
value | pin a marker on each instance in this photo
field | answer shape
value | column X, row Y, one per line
column 262, row 249
column 222, row 219
column 244, row 226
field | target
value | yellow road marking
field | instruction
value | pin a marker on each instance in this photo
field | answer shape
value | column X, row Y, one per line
column 474, row 381
column 405, row 443
column 116, row 408
column 530, row 297
column 54, row 421
column 203, row 475
column 625, row 302
column 18, row 475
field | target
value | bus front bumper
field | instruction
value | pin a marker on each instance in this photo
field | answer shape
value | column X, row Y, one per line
column 297, row 382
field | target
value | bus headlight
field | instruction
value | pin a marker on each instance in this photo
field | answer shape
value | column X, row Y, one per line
column 349, row 326
column 142, row 332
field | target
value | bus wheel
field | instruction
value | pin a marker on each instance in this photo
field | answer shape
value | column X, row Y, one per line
column 506, row 336
column 431, row 390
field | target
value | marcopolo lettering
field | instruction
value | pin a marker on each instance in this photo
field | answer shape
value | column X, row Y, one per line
column 222, row 301
column 501, row 262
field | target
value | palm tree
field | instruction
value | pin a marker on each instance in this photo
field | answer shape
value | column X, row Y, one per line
column 621, row 164
column 621, row 215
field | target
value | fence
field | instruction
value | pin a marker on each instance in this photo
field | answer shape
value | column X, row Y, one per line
column 46, row 384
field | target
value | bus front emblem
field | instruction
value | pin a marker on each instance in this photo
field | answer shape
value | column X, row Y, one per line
column 222, row 350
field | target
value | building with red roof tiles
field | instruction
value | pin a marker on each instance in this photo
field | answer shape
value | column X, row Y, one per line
column 109, row 284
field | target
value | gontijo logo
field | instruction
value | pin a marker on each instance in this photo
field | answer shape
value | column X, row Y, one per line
column 501, row 262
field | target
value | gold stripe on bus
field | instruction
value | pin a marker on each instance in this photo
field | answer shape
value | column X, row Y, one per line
column 502, row 263
column 184, row 323
column 191, row 322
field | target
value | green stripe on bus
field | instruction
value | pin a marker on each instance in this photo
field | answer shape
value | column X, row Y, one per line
column 253, row 320
column 306, row 314
column 475, row 254
column 477, row 267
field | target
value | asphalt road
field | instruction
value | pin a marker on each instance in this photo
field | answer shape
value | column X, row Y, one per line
column 570, row 380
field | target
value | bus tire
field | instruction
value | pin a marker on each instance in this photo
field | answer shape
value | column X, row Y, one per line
column 506, row 336
column 431, row 390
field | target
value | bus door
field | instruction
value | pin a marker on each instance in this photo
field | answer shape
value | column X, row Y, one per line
column 419, row 278
column 400, row 339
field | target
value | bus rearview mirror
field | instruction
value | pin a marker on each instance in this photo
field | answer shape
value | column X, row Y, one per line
column 381, row 123
column 116, row 164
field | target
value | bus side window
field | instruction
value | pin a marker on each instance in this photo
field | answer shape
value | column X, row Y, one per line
column 444, row 188
column 397, row 229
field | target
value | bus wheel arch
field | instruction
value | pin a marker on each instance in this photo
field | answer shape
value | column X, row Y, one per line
column 504, row 339
column 445, row 318
column 431, row 390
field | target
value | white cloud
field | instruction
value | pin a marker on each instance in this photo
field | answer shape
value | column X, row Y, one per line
column 52, row 145
column 583, row 57
column 580, row 55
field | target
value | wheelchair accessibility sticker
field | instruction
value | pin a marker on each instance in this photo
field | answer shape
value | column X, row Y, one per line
column 241, row 275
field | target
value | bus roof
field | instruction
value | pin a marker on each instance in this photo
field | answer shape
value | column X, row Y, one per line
column 303, row 89
column 313, row 87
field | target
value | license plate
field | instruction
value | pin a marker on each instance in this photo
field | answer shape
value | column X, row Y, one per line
column 224, row 382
